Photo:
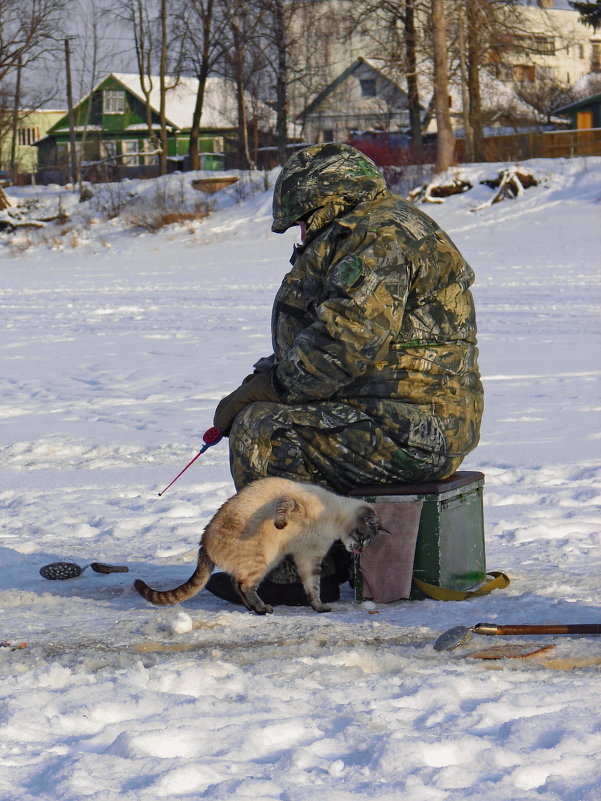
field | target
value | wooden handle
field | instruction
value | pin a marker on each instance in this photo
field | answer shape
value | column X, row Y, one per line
column 573, row 628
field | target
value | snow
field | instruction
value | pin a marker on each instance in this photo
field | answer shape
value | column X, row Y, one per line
column 116, row 347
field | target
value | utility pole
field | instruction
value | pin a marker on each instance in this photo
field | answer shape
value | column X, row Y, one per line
column 72, row 153
column 15, row 125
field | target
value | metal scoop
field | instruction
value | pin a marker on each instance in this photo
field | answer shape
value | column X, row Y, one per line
column 461, row 635
column 67, row 570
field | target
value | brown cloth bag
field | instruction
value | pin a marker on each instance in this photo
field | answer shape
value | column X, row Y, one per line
column 387, row 564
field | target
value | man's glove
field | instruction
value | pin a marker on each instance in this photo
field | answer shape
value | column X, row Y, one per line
column 254, row 388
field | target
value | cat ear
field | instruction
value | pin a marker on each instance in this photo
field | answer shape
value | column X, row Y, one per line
column 283, row 508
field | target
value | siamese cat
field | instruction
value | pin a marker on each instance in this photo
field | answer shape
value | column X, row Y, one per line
column 267, row 520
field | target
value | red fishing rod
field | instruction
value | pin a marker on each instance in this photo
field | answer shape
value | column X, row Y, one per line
column 68, row 570
column 211, row 437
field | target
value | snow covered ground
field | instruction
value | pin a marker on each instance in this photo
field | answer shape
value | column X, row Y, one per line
column 115, row 348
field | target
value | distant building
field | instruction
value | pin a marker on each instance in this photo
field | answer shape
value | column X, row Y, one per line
column 31, row 126
column 544, row 43
column 111, row 125
column 362, row 98
column 549, row 44
column 584, row 114
column 368, row 98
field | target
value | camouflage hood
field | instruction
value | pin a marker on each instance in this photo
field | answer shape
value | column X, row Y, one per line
column 328, row 179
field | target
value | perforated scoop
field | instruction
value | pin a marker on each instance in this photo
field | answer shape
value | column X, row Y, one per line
column 59, row 571
column 461, row 635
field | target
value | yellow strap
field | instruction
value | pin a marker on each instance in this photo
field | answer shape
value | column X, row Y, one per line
column 498, row 582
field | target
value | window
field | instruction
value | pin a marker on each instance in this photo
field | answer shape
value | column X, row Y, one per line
column 543, row 45
column 538, row 43
column 130, row 153
column 108, row 149
column 62, row 153
column 113, row 101
column 580, row 51
column 148, row 148
column 368, row 87
column 524, row 73
column 27, row 136
column 327, row 135
column 218, row 144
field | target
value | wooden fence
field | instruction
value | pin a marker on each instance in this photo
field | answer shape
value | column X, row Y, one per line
column 547, row 145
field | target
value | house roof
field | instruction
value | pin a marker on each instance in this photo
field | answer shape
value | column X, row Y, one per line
column 219, row 107
column 495, row 95
column 375, row 64
column 584, row 102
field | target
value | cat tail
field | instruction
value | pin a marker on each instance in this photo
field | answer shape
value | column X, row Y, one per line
column 195, row 583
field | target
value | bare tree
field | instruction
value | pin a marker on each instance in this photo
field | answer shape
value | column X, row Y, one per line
column 30, row 33
column 276, row 32
column 29, row 29
column 545, row 95
column 483, row 39
column 140, row 17
column 391, row 32
column 200, row 26
column 445, row 139
column 164, row 43
column 465, row 104
column 149, row 23
column 243, row 61
column 476, row 17
column 315, row 38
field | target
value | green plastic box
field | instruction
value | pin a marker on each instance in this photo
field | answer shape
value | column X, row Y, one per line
column 450, row 541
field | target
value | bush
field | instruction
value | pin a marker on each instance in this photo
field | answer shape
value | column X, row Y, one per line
column 154, row 219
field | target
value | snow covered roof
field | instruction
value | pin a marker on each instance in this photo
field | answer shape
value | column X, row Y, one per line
column 219, row 108
column 498, row 99
column 495, row 95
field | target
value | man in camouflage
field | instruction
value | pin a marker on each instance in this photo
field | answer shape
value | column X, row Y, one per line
column 374, row 376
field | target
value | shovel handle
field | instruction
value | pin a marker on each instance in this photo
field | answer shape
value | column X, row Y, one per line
column 573, row 628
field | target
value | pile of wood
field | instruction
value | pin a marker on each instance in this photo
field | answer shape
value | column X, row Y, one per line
column 436, row 191
column 17, row 216
column 510, row 182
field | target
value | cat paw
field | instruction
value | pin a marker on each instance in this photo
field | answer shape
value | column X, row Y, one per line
column 264, row 609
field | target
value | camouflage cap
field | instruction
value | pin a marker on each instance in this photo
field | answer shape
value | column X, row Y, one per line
column 321, row 174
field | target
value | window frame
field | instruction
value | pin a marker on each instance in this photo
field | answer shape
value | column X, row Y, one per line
column 109, row 96
column 131, row 158
column 368, row 83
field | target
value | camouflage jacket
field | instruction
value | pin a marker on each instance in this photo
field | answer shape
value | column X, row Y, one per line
column 377, row 307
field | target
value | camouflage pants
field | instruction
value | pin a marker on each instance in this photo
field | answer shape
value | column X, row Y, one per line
column 337, row 445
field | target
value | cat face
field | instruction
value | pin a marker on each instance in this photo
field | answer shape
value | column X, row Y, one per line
column 367, row 528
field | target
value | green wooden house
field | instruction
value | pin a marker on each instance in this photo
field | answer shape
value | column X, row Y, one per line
column 110, row 125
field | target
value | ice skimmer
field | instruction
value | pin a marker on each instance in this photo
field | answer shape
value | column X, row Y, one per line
column 461, row 635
